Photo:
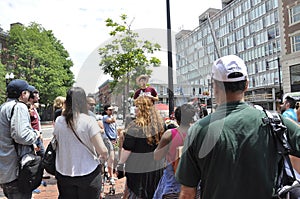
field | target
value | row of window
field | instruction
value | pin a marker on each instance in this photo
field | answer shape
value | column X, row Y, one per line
column 264, row 79
column 295, row 14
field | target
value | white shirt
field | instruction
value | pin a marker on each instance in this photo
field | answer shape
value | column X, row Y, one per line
column 72, row 157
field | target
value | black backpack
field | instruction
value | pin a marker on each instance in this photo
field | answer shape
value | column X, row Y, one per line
column 287, row 186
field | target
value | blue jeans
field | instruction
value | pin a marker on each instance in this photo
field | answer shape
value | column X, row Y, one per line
column 11, row 191
column 39, row 143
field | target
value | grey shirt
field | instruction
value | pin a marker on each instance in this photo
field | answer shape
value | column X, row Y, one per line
column 16, row 128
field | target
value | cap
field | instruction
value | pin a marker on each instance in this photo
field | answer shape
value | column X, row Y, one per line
column 16, row 86
column 106, row 107
column 31, row 88
column 146, row 77
column 229, row 68
column 35, row 91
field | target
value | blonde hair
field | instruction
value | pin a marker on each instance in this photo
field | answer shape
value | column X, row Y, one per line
column 58, row 103
column 149, row 119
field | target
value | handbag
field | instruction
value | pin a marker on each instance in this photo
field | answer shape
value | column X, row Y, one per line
column 48, row 160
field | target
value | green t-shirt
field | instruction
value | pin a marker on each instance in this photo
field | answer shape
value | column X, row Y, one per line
column 232, row 152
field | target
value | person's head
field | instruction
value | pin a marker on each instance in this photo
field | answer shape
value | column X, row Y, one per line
column 142, row 80
column 59, row 102
column 74, row 105
column 184, row 114
column 108, row 109
column 19, row 89
column 230, row 79
column 149, row 119
column 34, row 96
column 288, row 102
column 91, row 103
column 297, row 105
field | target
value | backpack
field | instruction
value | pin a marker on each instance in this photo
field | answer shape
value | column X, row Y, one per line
column 287, row 186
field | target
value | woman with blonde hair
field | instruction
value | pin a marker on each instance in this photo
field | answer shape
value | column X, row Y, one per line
column 58, row 105
column 142, row 137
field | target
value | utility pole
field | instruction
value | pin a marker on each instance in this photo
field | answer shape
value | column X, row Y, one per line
column 170, row 63
column 279, row 77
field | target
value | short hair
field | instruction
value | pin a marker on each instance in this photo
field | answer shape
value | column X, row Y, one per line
column 184, row 114
column 291, row 101
column 232, row 86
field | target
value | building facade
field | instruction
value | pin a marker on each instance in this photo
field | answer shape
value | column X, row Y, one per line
column 290, row 15
column 247, row 28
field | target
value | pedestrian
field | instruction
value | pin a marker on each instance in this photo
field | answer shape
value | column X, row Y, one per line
column 288, row 108
column 36, row 121
column 78, row 170
column 15, row 131
column 36, row 124
column 110, row 129
column 144, row 89
column 231, row 152
column 58, row 107
column 167, row 148
column 142, row 137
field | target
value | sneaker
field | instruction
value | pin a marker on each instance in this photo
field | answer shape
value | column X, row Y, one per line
column 37, row 191
column 44, row 183
column 112, row 181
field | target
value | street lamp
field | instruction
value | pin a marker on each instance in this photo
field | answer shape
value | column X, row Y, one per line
column 8, row 78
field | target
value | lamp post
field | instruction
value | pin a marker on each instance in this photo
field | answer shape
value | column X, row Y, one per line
column 170, row 63
column 8, row 78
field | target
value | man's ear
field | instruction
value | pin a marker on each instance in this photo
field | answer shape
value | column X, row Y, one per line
column 247, row 85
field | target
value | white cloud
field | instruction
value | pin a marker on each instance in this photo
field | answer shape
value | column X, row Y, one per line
column 80, row 26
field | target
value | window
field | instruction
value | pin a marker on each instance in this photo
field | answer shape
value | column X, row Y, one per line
column 295, row 43
column 295, row 14
column 295, row 78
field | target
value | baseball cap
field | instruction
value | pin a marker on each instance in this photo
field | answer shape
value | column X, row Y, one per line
column 229, row 68
column 16, row 86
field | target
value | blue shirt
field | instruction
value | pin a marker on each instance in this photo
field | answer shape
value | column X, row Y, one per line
column 109, row 128
column 290, row 113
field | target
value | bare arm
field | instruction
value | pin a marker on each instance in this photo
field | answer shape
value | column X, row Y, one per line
column 124, row 156
column 163, row 146
column 99, row 145
column 187, row 192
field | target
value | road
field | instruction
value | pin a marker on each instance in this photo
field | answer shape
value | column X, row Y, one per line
column 47, row 128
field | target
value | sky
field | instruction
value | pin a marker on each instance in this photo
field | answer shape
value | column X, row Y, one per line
column 80, row 24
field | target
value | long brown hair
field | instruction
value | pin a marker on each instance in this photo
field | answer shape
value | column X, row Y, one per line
column 149, row 119
column 74, row 105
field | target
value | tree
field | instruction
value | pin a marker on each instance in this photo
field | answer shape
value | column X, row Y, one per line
column 125, row 57
column 35, row 55
column 2, row 83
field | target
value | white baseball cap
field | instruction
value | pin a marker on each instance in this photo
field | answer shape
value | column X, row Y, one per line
column 229, row 68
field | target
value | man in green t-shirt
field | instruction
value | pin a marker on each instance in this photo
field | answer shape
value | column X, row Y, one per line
column 231, row 152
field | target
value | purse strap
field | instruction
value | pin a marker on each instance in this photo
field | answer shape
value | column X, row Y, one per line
column 89, row 150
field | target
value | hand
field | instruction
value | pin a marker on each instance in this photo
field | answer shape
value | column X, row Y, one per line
column 120, row 171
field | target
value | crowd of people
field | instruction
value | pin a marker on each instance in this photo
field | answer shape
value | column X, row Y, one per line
column 229, row 153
